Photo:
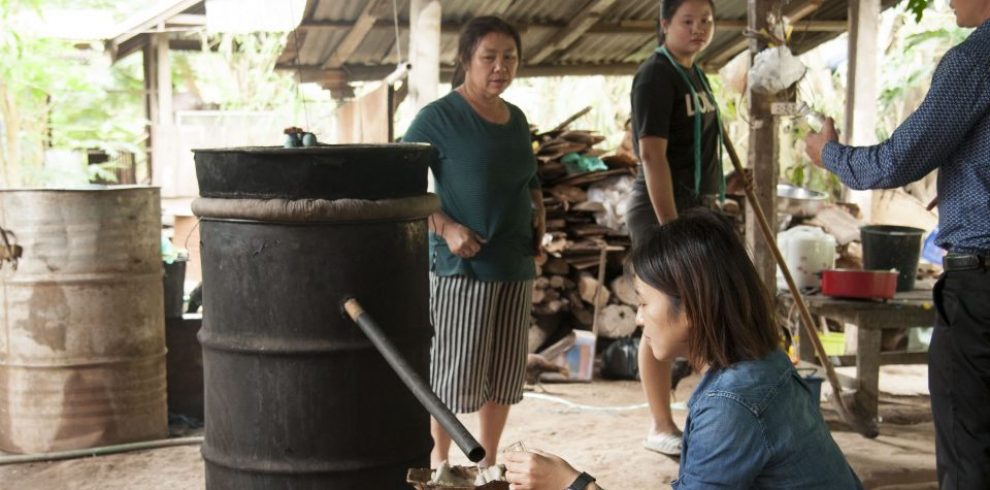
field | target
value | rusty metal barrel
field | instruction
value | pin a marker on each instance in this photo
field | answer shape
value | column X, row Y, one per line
column 82, row 341
column 296, row 396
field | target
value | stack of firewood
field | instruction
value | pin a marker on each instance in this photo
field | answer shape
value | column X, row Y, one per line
column 583, row 273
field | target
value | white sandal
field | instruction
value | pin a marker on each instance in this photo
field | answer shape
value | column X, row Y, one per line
column 666, row 444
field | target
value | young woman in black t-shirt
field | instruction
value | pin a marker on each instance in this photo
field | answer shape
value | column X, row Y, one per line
column 676, row 133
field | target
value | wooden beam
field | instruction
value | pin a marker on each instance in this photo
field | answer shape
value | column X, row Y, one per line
column 763, row 156
column 372, row 11
column 379, row 25
column 148, row 20
column 723, row 55
column 566, row 36
column 425, row 19
column 803, row 25
column 862, row 87
column 189, row 45
column 649, row 26
column 187, row 20
column 366, row 73
column 578, row 70
column 150, row 66
column 802, row 9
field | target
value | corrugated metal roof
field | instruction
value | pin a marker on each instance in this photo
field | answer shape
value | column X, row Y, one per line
column 622, row 36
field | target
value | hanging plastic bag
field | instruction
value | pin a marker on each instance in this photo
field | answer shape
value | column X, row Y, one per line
column 775, row 69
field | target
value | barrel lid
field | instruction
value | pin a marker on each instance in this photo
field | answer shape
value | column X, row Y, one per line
column 385, row 171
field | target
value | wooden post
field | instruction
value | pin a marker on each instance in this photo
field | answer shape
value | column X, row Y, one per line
column 150, row 59
column 159, row 108
column 424, row 51
column 861, row 86
column 763, row 156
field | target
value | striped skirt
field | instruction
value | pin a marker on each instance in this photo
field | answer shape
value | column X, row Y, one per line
column 479, row 345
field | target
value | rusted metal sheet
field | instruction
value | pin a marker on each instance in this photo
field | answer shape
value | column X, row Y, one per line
column 82, row 342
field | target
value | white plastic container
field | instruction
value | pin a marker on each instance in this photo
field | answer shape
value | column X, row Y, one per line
column 807, row 250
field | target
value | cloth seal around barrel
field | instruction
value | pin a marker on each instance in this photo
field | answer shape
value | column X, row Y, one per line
column 317, row 210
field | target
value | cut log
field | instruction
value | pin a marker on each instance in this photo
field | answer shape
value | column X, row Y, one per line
column 615, row 321
column 583, row 317
column 568, row 193
column 583, row 263
column 590, row 289
column 558, row 148
column 557, row 281
column 587, row 246
column 556, row 245
column 589, row 207
column 580, row 136
column 587, row 230
column 549, row 307
column 537, row 336
column 556, row 266
column 624, row 289
column 541, row 282
column 538, row 295
column 543, row 328
column 620, row 160
column 589, row 177
column 838, row 223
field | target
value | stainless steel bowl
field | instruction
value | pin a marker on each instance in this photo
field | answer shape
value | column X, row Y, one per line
column 798, row 201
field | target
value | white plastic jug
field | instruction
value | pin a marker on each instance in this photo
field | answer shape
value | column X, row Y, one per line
column 807, row 250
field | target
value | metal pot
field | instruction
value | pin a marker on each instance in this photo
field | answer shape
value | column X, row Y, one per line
column 798, row 201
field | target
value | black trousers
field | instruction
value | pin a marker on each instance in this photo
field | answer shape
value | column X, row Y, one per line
column 959, row 379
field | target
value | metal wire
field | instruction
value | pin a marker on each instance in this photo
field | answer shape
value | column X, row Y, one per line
column 398, row 40
column 295, row 40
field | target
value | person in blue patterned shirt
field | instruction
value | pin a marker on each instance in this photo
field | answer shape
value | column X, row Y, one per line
column 950, row 132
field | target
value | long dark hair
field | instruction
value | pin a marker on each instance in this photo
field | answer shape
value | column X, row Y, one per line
column 472, row 33
column 667, row 10
column 699, row 262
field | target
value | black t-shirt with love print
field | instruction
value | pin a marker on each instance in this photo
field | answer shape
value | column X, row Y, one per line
column 662, row 106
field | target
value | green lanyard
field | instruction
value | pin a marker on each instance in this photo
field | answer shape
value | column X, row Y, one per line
column 697, row 124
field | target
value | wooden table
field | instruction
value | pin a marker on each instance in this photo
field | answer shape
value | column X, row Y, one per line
column 907, row 309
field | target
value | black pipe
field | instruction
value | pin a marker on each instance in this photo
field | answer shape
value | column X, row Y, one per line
column 464, row 440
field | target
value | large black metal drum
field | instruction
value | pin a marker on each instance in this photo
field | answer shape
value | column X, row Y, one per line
column 296, row 396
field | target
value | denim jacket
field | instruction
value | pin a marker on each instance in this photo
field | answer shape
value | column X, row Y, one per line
column 755, row 425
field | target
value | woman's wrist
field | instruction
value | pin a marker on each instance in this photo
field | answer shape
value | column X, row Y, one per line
column 578, row 478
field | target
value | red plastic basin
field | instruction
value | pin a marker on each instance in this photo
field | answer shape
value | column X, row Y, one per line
column 848, row 283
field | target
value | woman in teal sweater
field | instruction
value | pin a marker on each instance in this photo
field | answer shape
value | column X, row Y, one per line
column 485, row 236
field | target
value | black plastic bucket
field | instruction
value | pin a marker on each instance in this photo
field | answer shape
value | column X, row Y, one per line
column 888, row 247
column 174, row 285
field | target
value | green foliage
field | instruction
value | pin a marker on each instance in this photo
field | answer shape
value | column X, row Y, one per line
column 59, row 97
column 917, row 7
column 65, row 102
column 245, row 80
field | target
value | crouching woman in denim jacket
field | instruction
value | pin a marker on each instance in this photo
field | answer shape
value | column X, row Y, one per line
column 752, row 421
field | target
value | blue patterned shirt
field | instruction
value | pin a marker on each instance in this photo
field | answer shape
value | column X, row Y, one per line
column 950, row 131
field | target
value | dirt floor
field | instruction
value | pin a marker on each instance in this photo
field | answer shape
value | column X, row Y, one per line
column 597, row 426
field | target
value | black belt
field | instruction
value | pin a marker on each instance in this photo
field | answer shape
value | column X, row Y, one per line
column 965, row 262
